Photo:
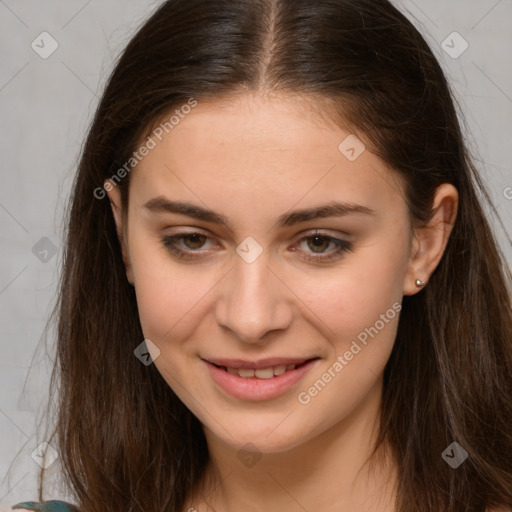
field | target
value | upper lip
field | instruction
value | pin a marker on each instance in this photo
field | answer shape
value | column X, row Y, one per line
column 258, row 365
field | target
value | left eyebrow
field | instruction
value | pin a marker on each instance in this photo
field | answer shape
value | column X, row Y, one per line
column 332, row 209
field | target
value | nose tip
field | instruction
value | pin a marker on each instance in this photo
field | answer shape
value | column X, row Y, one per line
column 253, row 302
column 252, row 322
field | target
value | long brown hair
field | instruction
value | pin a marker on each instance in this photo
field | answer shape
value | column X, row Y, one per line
column 126, row 441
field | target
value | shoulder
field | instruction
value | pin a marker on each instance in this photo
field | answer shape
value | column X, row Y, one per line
column 46, row 506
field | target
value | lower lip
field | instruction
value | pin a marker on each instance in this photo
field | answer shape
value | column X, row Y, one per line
column 258, row 389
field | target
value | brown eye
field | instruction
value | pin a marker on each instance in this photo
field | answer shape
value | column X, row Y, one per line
column 197, row 240
column 189, row 245
column 319, row 242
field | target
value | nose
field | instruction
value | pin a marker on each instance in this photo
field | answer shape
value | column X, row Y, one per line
column 254, row 301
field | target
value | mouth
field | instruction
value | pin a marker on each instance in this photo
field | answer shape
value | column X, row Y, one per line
column 263, row 373
column 263, row 380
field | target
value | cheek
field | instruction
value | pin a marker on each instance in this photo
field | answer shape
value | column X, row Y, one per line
column 161, row 299
column 170, row 296
column 368, row 283
column 362, row 309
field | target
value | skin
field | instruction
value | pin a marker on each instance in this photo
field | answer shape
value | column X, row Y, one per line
column 253, row 158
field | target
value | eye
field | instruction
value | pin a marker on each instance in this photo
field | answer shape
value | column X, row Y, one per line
column 320, row 242
column 192, row 241
column 317, row 244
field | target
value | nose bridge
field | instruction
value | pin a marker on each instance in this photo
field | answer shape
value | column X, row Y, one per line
column 254, row 301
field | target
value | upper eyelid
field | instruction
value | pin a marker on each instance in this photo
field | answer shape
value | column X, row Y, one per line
column 340, row 246
column 302, row 234
column 299, row 238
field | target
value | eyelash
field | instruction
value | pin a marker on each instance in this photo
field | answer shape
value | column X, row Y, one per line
column 169, row 242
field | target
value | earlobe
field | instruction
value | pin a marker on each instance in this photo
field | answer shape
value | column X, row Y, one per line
column 114, row 195
column 430, row 241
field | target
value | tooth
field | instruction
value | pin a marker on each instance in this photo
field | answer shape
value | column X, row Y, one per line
column 279, row 370
column 264, row 373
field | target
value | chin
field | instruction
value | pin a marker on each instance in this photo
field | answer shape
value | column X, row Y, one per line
column 267, row 437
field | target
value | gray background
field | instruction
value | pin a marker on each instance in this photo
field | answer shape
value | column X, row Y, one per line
column 45, row 108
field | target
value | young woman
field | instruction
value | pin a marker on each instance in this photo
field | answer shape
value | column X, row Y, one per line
column 280, row 289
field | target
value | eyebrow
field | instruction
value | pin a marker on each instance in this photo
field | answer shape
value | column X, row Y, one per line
column 333, row 209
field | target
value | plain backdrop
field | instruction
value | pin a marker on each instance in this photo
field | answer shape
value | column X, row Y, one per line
column 46, row 105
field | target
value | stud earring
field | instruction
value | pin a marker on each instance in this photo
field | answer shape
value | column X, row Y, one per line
column 419, row 283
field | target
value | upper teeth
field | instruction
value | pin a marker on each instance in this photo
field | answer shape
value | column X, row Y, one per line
column 263, row 373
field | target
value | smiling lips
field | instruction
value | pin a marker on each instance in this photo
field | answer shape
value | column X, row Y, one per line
column 262, row 380
column 264, row 369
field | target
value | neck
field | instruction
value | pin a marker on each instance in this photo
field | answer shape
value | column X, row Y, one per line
column 332, row 471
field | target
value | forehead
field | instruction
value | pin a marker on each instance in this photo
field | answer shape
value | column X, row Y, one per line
column 257, row 150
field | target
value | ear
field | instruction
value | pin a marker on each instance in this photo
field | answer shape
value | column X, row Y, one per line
column 430, row 241
column 114, row 194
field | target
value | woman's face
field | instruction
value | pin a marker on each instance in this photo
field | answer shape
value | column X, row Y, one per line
column 253, row 280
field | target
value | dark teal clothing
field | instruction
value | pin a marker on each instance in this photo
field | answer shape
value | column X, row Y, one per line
column 46, row 506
